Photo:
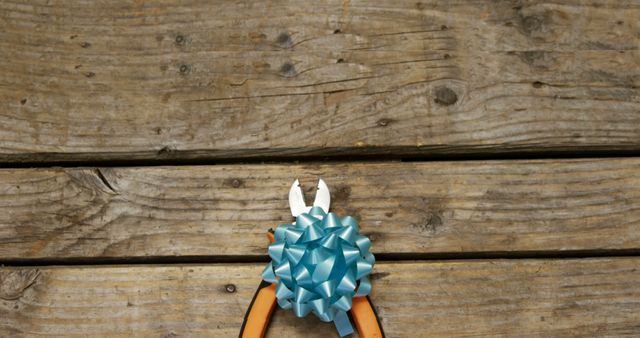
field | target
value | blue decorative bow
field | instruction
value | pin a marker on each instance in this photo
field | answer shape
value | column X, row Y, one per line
column 319, row 264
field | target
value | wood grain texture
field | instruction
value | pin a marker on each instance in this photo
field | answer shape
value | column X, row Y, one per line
column 410, row 208
column 502, row 298
column 105, row 80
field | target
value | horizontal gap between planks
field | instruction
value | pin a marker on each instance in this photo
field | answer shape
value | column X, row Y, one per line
column 404, row 154
column 382, row 257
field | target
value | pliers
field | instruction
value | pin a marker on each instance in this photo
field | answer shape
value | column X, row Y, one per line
column 258, row 315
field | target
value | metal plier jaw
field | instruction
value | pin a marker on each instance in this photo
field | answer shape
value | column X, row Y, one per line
column 296, row 198
column 256, row 320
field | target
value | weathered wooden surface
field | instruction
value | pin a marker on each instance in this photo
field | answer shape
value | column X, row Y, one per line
column 152, row 79
column 428, row 207
column 514, row 298
column 143, row 80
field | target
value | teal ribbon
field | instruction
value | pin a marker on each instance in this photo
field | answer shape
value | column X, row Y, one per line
column 319, row 263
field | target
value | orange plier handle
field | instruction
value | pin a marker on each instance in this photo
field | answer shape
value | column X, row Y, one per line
column 256, row 320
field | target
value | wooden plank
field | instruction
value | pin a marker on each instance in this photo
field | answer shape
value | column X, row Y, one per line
column 206, row 79
column 506, row 298
column 411, row 208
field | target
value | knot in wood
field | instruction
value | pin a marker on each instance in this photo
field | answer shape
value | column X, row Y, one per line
column 445, row 96
column 531, row 23
column 288, row 69
column 14, row 283
column 284, row 40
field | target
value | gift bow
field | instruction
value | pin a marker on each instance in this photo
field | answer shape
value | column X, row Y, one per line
column 319, row 263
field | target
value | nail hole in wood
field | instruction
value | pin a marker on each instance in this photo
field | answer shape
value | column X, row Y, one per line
column 230, row 288
column 383, row 122
column 185, row 69
column 180, row 40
